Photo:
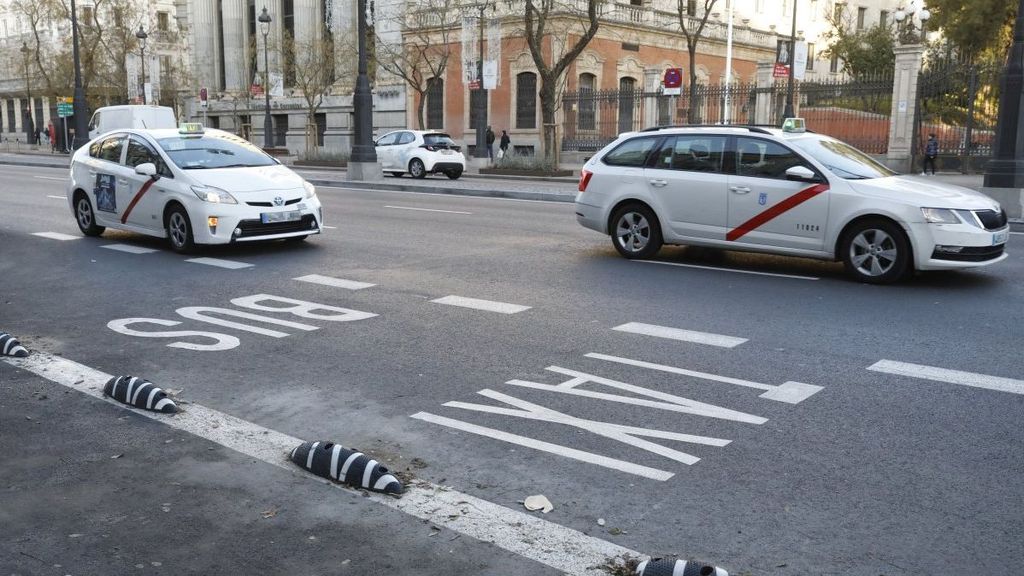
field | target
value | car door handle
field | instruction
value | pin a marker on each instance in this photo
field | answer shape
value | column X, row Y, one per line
column 739, row 189
column 658, row 183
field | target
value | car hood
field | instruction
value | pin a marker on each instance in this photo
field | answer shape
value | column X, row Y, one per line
column 924, row 192
column 242, row 180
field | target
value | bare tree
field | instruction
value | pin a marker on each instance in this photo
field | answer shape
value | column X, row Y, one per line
column 312, row 67
column 421, row 56
column 574, row 26
column 693, row 29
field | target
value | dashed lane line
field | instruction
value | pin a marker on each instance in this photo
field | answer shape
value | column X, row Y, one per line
column 229, row 264
column 56, row 236
column 129, row 248
column 972, row 379
column 428, row 210
column 681, row 335
column 736, row 270
column 528, row 536
column 477, row 304
column 334, row 282
column 57, row 197
column 51, row 178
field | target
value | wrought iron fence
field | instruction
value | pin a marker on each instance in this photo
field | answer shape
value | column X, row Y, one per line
column 959, row 104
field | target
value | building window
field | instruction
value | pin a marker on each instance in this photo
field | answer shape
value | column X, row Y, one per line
column 526, row 100
column 810, row 55
column 587, row 118
column 253, row 45
column 280, row 130
column 691, row 7
column 861, row 15
column 883, row 18
column 11, row 107
column 221, row 72
column 834, row 64
column 321, row 127
column 163, row 21
column 838, row 13
column 325, row 9
column 435, row 104
column 627, row 96
column 87, row 15
column 814, row 10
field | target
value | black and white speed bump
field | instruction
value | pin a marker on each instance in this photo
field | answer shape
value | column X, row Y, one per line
column 9, row 346
column 139, row 393
column 676, row 567
column 352, row 467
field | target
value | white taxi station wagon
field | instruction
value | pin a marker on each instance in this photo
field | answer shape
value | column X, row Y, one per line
column 784, row 191
column 191, row 186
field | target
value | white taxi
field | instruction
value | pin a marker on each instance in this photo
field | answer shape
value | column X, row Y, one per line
column 190, row 185
column 785, row 191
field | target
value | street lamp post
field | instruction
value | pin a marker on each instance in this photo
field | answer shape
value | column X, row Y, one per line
column 141, row 35
column 480, row 106
column 363, row 165
column 81, row 123
column 264, row 20
column 788, row 112
column 30, row 125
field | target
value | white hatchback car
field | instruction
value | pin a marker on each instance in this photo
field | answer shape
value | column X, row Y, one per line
column 420, row 153
column 190, row 185
column 786, row 192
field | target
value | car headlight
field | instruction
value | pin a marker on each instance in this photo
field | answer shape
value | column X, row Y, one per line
column 310, row 190
column 215, row 195
column 939, row 216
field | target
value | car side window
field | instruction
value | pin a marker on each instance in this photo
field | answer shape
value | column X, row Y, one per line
column 765, row 159
column 692, row 153
column 110, row 149
column 94, row 149
column 388, row 139
column 139, row 153
column 406, row 138
column 632, row 152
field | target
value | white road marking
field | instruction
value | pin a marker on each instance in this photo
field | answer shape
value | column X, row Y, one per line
column 680, row 334
column 56, row 236
column 57, row 197
column 330, row 227
column 129, row 248
column 428, row 210
column 1017, row 233
column 561, row 548
column 972, row 379
column 788, row 392
column 50, row 178
column 450, row 196
column 334, row 282
column 229, row 264
column 729, row 270
column 476, row 304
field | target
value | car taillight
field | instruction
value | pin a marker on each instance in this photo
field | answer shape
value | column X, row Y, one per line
column 584, row 180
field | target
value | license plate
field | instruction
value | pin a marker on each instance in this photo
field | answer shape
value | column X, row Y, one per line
column 270, row 217
column 447, row 152
column 1000, row 237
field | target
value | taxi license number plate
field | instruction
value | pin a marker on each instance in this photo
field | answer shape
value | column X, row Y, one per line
column 271, row 217
column 1000, row 237
column 447, row 152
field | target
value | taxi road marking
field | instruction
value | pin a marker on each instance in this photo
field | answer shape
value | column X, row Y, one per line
column 229, row 264
column 680, row 334
column 972, row 379
column 517, row 532
column 334, row 282
column 56, row 236
column 681, row 265
column 428, row 210
column 775, row 211
column 129, row 248
column 476, row 304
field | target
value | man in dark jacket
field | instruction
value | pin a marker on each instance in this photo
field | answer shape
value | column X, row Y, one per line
column 490, row 143
column 504, row 144
column 931, row 151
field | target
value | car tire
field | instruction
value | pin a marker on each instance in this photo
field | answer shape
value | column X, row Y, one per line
column 397, row 174
column 417, row 169
column 635, row 231
column 876, row 251
column 454, row 173
column 179, row 231
column 85, row 216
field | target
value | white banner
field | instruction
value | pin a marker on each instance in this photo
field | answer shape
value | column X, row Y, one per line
column 490, row 74
column 153, row 72
column 132, row 65
column 800, row 60
column 276, row 85
column 493, row 54
column 470, row 48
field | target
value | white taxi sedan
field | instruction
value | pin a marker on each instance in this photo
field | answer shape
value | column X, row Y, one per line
column 190, row 185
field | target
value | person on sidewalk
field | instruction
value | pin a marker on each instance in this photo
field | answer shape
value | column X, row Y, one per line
column 52, row 133
column 931, row 151
column 490, row 144
column 504, row 144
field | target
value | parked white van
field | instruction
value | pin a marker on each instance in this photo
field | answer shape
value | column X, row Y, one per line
column 130, row 116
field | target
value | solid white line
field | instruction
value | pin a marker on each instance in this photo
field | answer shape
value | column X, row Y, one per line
column 57, row 197
column 50, row 178
column 129, row 248
column 729, row 270
column 972, row 379
column 476, row 304
column 334, row 282
column 229, row 264
column 330, row 227
column 56, row 236
column 1017, row 233
column 459, row 196
column 561, row 548
column 680, row 334
column 427, row 210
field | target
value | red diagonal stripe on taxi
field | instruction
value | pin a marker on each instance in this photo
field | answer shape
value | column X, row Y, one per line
column 776, row 210
column 138, row 196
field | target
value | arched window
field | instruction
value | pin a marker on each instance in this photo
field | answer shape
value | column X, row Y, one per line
column 587, row 117
column 526, row 100
column 435, row 103
column 627, row 101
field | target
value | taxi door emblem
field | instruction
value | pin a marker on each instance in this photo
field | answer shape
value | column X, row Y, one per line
column 278, row 201
column 762, row 199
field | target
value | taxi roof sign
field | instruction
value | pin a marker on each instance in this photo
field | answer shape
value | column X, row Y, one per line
column 794, row 125
column 190, row 128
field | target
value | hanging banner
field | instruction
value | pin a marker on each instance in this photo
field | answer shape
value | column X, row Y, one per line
column 800, row 60
column 470, row 49
column 276, row 85
column 131, row 64
column 153, row 71
column 492, row 62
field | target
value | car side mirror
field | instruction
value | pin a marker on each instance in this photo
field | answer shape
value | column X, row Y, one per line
column 147, row 169
column 802, row 174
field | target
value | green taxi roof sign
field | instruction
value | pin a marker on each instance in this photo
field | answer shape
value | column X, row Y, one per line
column 794, row 125
column 193, row 128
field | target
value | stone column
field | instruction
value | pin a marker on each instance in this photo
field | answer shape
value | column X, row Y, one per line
column 652, row 84
column 763, row 98
column 307, row 21
column 203, row 30
column 236, row 45
column 904, row 104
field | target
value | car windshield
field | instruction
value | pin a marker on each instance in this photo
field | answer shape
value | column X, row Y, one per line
column 439, row 140
column 213, row 151
column 842, row 159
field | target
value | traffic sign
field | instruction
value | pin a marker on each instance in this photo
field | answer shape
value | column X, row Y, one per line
column 65, row 109
column 673, row 81
column 203, row 97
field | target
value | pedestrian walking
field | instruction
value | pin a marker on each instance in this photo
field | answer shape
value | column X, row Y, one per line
column 51, row 132
column 503, row 145
column 931, row 151
column 490, row 143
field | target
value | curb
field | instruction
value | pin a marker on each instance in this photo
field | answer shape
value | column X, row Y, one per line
column 515, row 195
column 35, row 164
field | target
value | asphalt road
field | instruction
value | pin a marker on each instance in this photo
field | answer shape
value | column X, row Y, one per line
column 872, row 473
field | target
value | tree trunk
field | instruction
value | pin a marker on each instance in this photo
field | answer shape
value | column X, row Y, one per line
column 419, row 109
column 547, row 112
column 691, row 114
column 310, row 130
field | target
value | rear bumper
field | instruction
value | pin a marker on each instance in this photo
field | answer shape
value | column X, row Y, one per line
column 590, row 216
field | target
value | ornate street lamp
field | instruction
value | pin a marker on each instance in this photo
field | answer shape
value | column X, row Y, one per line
column 905, row 23
column 30, row 125
column 264, row 21
column 141, row 35
column 363, row 165
column 81, row 109
column 479, row 111
column 788, row 112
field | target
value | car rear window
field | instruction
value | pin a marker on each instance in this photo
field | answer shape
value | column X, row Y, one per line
column 439, row 140
column 632, row 152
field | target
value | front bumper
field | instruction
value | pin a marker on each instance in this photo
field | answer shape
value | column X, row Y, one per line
column 243, row 223
column 957, row 246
